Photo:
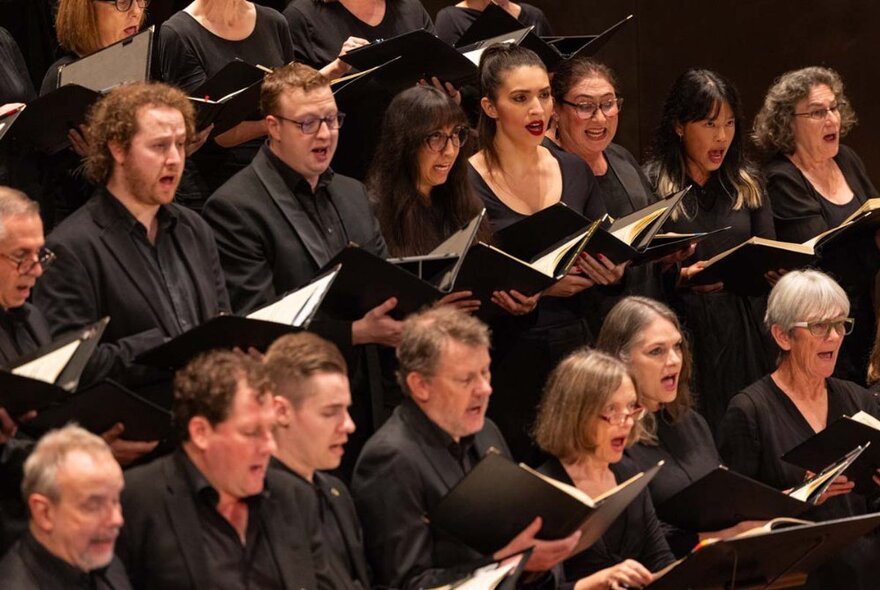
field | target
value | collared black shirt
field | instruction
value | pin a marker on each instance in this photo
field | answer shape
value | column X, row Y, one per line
column 167, row 269
column 15, row 331
column 45, row 570
column 318, row 204
column 331, row 528
column 231, row 564
column 464, row 452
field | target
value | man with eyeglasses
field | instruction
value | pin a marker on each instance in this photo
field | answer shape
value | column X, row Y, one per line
column 281, row 219
column 130, row 252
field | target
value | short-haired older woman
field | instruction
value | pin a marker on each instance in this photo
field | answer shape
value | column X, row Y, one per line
column 814, row 183
column 646, row 335
column 589, row 414
column 807, row 314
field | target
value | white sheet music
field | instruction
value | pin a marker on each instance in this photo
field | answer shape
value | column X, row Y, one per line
column 296, row 308
column 48, row 367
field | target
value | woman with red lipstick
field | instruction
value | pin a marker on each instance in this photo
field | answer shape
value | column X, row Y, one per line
column 698, row 143
column 589, row 414
column 646, row 335
column 814, row 183
column 807, row 316
column 516, row 176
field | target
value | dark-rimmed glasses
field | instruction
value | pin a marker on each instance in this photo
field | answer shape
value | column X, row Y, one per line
column 438, row 140
column 821, row 113
column 311, row 126
column 26, row 264
column 587, row 110
column 620, row 417
column 822, row 328
column 125, row 5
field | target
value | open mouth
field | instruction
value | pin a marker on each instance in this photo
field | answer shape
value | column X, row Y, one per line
column 596, row 134
column 535, row 127
column 669, row 381
column 826, row 356
column 129, row 31
column 168, row 180
column 716, row 156
column 321, row 152
column 618, row 444
column 830, row 137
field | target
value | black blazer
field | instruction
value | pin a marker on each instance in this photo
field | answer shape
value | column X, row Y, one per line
column 403, row 471
column 268, row 244
column 99, row 272
column 32, row 323
column 161, row 540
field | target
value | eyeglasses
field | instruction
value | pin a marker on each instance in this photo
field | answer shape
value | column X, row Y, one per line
column 125, row 5
column 26, row 264
column 620, row 417
column 822, row 328
column 311, row 126
column 587, row 110
column 820, row 114
column 438, row 140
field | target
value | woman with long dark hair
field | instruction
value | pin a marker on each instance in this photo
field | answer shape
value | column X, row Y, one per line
column 699, row 143
column 516, row 176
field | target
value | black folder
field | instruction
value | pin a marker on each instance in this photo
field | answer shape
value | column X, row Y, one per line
column 230, row 96
column 762, row 560
column 421, row 55
column 839, row 437
column 664, row 244
column 45, row 121
column 483, row 573
column 742, row 268
column 222, row 332
column 723, row 498
column 366, row 281
column 98, row 407
column 127, row 60
column 497, row 499
column 20, row 395
column 541, row 231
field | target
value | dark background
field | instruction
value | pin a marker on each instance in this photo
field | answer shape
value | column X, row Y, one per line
column 749, row 41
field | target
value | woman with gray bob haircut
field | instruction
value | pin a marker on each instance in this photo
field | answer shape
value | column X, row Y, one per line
column 814, row 183
column 807, row 317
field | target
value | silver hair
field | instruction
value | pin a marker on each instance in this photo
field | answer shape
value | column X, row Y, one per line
column 13, row 203
column 41, row 467
column 803, row 296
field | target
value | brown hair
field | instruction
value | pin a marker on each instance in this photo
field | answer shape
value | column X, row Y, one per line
column 76, row 27
column 577, row 391
column 425, row 334
column 293, row 358
column 772, row 130
column 622, row 330
column 207, row 385
column 293, row 76
column 115, row 118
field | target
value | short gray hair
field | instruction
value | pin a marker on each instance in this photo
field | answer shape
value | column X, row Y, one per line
column 41, row 468
column 804, row 296
column 425, row 334
column 772, row 129
column 14, row 203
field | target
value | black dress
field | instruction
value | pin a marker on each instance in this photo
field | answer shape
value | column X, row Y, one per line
column 761, row 424
column 17, row 169
column 189, row 54
column 319, row 29
column 801, row 212
column 731, row 348
column 453, row 21
column 688, row 451
column 636, row 534
column 526, row 348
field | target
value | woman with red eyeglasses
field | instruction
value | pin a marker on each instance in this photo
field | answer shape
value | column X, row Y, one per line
column 589, row 414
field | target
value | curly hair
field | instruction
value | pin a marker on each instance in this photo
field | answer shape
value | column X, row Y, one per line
column 207, row 385
column 772, row 130
column 115, row 118
column 409, row 225
column 697, row 95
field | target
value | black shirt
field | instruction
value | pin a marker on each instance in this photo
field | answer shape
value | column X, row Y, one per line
column 30, row 566
column 453, row 21
column 233, row 565
column 167, row 270
column 17, row 335
column 318, row 204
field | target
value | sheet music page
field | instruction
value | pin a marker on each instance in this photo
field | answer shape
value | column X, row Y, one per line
column 296, row 307
column 48, row 367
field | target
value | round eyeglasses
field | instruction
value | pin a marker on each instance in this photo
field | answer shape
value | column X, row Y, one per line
column 438, row 140
column 27, row 263
column 125, row 5
column 822, row 328
column 587, row 110
column 310, row 126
